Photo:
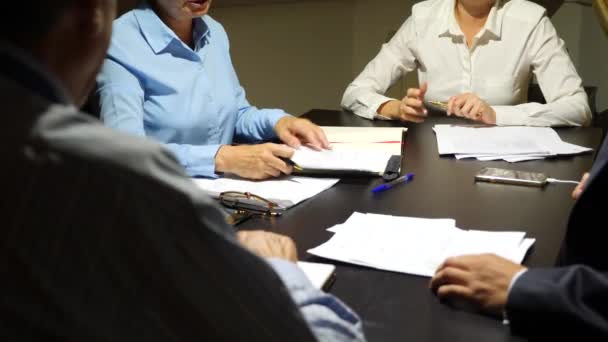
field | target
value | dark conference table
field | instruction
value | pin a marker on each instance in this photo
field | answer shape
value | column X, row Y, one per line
column 399, row 307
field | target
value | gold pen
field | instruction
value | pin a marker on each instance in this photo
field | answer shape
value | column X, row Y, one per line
column 293, row 164
column 442, row 105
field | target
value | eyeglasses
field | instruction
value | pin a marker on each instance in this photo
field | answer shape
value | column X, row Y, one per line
column 248, row 203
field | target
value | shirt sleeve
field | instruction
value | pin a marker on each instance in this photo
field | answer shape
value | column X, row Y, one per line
column 122, row 108
column 396, row 58
column 567, row 103
column 568, row 301
column 255, row 124
column 327, row 316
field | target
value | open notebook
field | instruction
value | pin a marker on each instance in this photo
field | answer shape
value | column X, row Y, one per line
column 370, row 139
column 340, row 161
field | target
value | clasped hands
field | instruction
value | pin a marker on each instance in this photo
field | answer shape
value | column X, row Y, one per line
column 264, row 160
column 411, row 107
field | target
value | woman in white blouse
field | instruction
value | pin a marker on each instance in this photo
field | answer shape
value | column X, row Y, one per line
column 479, row 57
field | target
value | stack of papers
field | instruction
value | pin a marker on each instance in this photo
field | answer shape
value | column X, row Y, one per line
column 375, row 139
column 373, row 162
column 286, row 192
column 512, row 144
column 414, row 245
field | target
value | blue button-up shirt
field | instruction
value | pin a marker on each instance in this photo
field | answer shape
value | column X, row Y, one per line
column 154, row 85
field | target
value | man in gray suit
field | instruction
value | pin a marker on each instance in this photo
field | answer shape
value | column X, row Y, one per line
column 103, row 237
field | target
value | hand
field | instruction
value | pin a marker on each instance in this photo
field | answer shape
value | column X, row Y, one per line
column 580, row 187
column 254, row 161
column 268, row 245
column 470, row 106
column 482, row 280
column 410, row 108
column 296, row 132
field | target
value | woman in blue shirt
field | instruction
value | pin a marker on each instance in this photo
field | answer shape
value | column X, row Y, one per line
column 168, row 76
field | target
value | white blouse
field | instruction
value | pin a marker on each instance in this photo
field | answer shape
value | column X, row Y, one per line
column 517, row 40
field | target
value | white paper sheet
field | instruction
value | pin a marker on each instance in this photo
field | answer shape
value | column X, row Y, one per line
column 512, row 144
column 318, row 273
column 413, row 245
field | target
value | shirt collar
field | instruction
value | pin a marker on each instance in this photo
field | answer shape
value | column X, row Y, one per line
column 159, row 35
column 201, row 31
column 449, row 26
column 19, row 66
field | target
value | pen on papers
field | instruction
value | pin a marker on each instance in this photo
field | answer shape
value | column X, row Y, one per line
column 292, row 163
column 404, row 179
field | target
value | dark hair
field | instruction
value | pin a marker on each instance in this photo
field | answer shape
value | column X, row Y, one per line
column 30, row 20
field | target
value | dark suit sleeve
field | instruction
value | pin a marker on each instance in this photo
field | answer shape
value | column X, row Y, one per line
column 560, row 302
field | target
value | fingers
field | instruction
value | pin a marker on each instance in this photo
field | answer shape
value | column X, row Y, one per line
column 459, row 101
column 415, row 104
column 412, row 105
column 456, row 262
column 280, row 150
column 477, row 110
column 451, row 292
column 322, row 137
column 467, row 107
column 319, row 135
column 450, row 276
column 580, row 187
column 423, row 88
column 455, row 105
column 450, row 109
column 290, row 139
column 274, row 166
column 418, row 92
column 414, row 92
column 314, row 138
column 412, row 110
column 268, row 245
column 302, row 131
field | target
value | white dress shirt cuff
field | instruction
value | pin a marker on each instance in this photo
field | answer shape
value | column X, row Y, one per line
column 513, row 281
column 515, row 278
column 510, row 116
column 372, row 103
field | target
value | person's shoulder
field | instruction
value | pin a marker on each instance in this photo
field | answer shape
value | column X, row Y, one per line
column 64, row 131
column 125, row 24
column 216, row 29
column 213, row 24
column 426, row 15
column 524, row 11
column 428, row 9
column 127, row 37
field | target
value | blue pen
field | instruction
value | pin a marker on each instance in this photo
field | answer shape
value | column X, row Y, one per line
column 404, row 179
